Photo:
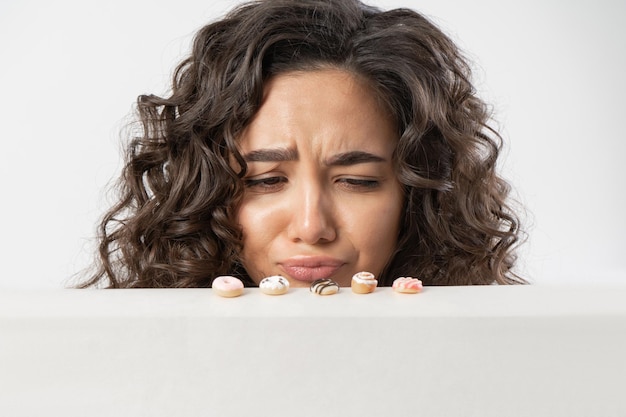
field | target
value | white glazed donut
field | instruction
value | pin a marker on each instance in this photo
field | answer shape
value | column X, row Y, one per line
column 227, row 286
column 363, row 283
column 274, row 285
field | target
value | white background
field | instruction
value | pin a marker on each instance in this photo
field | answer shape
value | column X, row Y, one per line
column 555, row 72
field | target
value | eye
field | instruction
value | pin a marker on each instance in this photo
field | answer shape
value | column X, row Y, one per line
column 265, row 184
column 359, row 184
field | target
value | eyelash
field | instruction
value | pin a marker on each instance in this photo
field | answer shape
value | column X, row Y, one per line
column 270, row 184
column 265, row 184
column 360, row 184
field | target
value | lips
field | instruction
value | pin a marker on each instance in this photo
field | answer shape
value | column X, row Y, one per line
column 309, row 269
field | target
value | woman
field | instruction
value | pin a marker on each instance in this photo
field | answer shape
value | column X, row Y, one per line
column 312, row 139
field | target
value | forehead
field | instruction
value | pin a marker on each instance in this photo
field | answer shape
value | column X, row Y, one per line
column 327, row 109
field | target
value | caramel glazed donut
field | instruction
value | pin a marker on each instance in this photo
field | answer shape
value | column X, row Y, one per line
column 324, row 286
column 363, row 282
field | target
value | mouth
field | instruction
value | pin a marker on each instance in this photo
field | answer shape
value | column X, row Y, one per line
column 309, row 269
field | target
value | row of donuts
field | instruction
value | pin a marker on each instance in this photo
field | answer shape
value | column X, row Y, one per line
column 362, row 283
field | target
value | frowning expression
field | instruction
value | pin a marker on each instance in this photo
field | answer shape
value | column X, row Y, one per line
column 321, row 195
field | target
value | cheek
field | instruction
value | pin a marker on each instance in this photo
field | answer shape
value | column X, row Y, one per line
column 259, row 227
column 379, row 239
column 381, row 236
column 375, row 230
column 253, row 231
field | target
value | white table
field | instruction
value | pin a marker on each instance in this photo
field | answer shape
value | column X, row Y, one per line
column 451, row 351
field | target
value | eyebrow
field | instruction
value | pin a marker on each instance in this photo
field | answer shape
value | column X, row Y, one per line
column 271, row 155
column 289, row 154
column 353, row 158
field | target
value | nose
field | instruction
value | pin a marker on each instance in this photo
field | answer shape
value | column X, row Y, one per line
column 312, row 219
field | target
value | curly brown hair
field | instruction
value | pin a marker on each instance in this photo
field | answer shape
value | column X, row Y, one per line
column 174, row 224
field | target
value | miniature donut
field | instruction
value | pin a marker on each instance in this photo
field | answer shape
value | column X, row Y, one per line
column 407, row 285
column 324, row 286
column 363, row 282
column 274, row 285
column 227, row 286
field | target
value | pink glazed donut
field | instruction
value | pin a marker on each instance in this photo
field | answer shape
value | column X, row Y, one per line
column 227, row 286
column 407, row 285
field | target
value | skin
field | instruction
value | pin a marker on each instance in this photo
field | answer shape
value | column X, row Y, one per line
column 322, row 199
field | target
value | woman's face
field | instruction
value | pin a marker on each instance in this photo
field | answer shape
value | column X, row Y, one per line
column 321, row 196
